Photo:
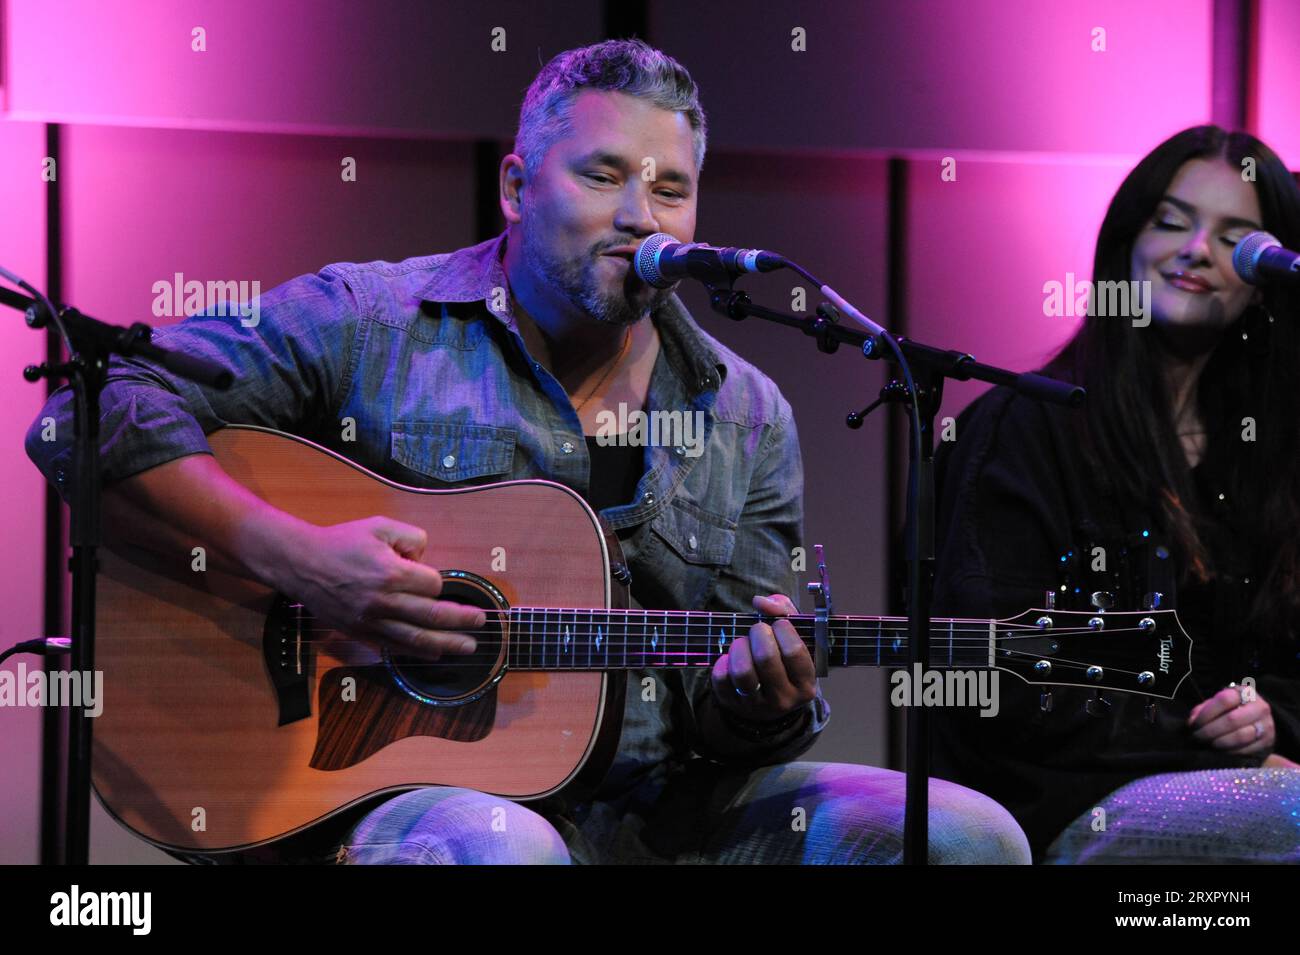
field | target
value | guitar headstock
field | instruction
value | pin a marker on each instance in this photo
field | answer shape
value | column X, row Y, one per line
column 1145, row 652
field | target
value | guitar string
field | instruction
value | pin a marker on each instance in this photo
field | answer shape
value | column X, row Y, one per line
column 691, row 617
column 458, row 660
column 864, row 637
column 694, row 616
column 851, row 639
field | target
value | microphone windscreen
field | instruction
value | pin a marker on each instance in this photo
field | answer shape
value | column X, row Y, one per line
column 1245, row 257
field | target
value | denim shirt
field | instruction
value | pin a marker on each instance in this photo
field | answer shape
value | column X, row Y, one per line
column 416, row 370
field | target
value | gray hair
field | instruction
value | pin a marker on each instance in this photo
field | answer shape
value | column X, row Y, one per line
column 627, row 66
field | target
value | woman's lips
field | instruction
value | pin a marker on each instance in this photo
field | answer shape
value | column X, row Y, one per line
column 1189, row 283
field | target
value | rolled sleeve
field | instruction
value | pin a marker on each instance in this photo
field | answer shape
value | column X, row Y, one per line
column 289, row 368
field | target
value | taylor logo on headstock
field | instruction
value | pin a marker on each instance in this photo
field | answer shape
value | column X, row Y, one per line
column 1166, row 653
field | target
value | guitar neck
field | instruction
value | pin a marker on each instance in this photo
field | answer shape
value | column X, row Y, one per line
column 553, row 638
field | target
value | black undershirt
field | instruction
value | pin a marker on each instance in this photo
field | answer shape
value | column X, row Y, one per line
column 615, row 472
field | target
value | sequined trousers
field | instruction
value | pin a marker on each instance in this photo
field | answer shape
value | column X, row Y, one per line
column 1216, row 816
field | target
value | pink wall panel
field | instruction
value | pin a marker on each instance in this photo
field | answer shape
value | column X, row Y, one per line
column 22, row 250
column 145, row 204
column 945, row 74
column 980, row 249
column 1277, row 101
column 394, row 66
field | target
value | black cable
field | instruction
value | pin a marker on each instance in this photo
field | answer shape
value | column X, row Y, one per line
column 41, row 645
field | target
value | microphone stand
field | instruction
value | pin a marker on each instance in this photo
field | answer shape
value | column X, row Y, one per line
column 90, row 342
column 924, row 369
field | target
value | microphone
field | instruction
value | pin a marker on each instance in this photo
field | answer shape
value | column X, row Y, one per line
column 1260, row 259
column 662, row 261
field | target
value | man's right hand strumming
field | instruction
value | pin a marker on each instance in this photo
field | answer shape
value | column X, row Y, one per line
column 364, row 578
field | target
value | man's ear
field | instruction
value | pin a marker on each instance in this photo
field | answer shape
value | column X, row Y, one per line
column 512, row 182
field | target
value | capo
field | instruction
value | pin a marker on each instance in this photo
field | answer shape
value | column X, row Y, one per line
column 821, row 591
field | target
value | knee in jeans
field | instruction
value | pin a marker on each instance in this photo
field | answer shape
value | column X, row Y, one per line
column 968, row 828
column 509, row 835
column 453, row 827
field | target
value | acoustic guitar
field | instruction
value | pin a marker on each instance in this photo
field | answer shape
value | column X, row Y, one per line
column 231, row 719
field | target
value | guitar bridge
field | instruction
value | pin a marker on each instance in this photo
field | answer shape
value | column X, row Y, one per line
column 286, row 659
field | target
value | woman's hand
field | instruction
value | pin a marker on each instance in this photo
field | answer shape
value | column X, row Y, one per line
column 1236, row 719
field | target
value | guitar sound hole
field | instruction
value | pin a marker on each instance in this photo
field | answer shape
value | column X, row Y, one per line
column 457, row 678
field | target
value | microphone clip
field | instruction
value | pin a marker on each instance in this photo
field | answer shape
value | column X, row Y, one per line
column 827, row 316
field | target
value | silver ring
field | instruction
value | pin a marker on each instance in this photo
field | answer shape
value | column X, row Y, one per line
column 742, row 693
column 1259, row 728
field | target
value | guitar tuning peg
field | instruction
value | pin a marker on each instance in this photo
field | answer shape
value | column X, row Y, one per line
column 1097, row 705
column 1103, row 600
column 1151, row 711
column 1045, row 700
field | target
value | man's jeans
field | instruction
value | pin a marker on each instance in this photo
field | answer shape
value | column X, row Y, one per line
column 1227, row 816
column 801, row 812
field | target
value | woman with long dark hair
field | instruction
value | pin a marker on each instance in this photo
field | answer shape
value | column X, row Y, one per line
column 1180, row 478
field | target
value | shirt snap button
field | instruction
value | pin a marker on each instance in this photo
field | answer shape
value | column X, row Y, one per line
column 691, row 542
column 680, row 450
column 449, row 461
column 649, row 497
column 567, row 447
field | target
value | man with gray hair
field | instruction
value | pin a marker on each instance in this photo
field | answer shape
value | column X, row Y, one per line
column 514, row 348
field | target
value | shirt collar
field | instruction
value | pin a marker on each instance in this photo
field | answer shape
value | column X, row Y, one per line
column 473, row 274
column 468, row 275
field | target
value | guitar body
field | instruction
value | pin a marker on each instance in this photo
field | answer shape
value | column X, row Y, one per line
column 228, row 725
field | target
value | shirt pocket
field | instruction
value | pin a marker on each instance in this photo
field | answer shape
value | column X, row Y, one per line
column 453, row 453
column 695, row 537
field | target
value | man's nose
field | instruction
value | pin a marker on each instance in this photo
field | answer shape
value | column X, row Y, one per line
column 635, row 213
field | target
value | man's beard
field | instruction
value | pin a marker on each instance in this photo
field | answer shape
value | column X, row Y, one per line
column 624, row 303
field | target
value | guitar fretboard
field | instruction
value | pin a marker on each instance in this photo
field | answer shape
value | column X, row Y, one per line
column 584, row 639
